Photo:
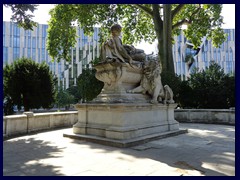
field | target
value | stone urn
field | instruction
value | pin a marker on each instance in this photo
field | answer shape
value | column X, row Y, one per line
column 119, row 77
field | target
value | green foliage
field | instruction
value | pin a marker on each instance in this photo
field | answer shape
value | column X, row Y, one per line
column 139, row 22
column 202, row 20
column 22, row 16
column 75, row 92
column 209, row 88
column 29, row 84
column 88, row 85
column 64, row 99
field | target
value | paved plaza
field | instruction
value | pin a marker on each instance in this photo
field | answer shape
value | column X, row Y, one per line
column 206, row 150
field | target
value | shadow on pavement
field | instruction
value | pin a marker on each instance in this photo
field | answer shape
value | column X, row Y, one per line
column 23, row 157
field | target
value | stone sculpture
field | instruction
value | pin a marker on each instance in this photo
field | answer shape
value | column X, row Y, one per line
column 121, row 114
column 151, row 83
column 120, row 63
column 113, row 49
column 168, row 95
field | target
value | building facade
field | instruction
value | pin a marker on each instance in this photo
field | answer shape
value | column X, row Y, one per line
column 204, row 55
column 18, row 43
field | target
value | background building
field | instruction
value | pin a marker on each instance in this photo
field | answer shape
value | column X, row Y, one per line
column 18, row 43
column 204, row 55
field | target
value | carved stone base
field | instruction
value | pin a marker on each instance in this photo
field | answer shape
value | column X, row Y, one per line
column 121, row 98
column 125, row 121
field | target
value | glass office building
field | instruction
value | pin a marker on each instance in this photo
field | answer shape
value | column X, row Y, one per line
column 18, row 43
column 204, row 55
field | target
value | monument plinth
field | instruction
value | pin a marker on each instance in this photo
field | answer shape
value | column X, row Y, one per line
column 133, row 106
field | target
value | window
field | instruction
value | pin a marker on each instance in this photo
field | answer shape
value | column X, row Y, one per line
column 222, row 46
column 34, row 54
column 23, row 52
column 39, row 58
column 227, row 59
column 5, row 55
column 46, row 56
column 233, row 35
column 219, row 56
column 16, row 30
column 179, row 38
column 37, row 42
column 16, row 41
column 11, row 29
column 44, row 30
column 4, row 41
column 95, row 34
column 29, row 52
column 3, row 28
column 10, row 41
column 229, row 35
column 29, row 42
column 33, row 42
column 43, row 42
column 25, row 41
column 16, row 53
column 43, row 54
column 206, row 46
column 231, row 55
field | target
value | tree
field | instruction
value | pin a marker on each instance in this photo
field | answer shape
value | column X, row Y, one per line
column 75, row 92
column 64, row 99
column 22, row 16
column 88, row 85
column 29, row 84
column 140, row 22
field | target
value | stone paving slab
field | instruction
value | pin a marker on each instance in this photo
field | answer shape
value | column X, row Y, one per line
column 206, row 150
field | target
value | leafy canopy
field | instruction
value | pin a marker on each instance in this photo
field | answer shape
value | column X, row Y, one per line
column 136, row 20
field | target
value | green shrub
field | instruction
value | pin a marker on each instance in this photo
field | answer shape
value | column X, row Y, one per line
column 208, row 89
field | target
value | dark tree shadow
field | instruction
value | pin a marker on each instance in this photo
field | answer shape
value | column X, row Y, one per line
column 22, row 157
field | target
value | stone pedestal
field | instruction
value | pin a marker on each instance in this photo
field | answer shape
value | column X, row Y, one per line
column 124, row 124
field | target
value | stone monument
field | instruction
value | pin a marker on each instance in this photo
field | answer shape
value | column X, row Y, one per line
column 133, row 106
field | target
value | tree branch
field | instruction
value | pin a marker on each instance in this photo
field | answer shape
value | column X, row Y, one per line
column 145, row 9
column 177, row 9
column 186, row 21
column 180, row 23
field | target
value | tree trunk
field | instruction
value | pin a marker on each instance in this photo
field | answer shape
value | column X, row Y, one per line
column 163, row 29
column 158, row 26
column 167, row 40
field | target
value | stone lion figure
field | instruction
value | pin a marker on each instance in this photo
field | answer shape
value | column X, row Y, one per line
column 168, row 95
column 151, row 84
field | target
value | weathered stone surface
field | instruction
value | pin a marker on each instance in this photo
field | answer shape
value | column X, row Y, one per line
column 217, row 116
column 125, row 121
